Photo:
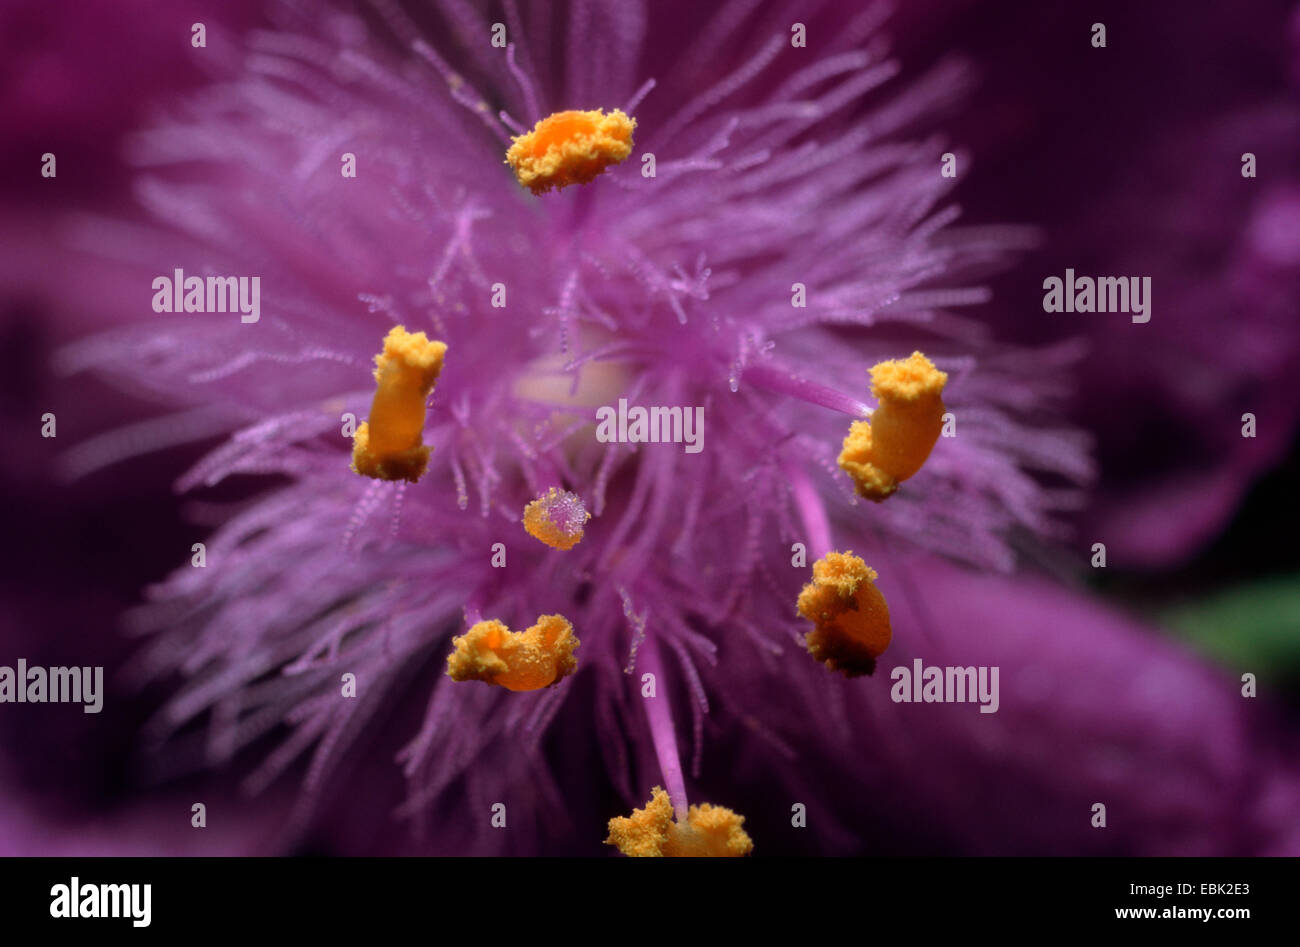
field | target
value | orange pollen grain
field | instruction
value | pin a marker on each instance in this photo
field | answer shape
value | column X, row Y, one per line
column 571, row 147
column 388, row 445
column 516, row 660
column 556, row 518
column 850, row 617
column 708, row 832
column 892, row 446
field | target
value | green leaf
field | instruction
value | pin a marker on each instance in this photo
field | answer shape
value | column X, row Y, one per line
column 1251, row 626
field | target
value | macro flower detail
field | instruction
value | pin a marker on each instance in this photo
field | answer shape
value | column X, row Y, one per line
column 665, row 291
column 708, row 831
column 785, row 220
column 570, row 147
column 893, row 445
column 556, row 518
column 516, row 660
column 850, row 615
column 389, row 444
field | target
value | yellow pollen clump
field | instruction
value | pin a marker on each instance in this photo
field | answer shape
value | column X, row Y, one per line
column 708, row 832
column 570, row 148
column 893, row 445
column 849, row 615
column 388, row 446
column 516, row 660
column 556, row 518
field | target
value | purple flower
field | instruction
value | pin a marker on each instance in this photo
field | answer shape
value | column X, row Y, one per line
column 1093, row 708
column 72, row 84
column 671, row 290
column 778, row 167
column 1131, row 158
column 1224, row 358
column 150, row 825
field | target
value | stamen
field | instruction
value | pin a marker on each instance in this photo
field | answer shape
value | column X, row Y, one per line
column 556, row 518
column 850, row 616
column 516, row 660
column 388, row 445
column 570, row 148
column 773, row 379
column 663, row 733
column 811, row 510
column 893, row 445
column 707, row 832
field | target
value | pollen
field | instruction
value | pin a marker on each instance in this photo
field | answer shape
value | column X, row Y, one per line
column 708, row 832
column 570, row 148
column 556, row 518
column 850, row 617
column 880, row 453
column 388, row 445
column 516, row 660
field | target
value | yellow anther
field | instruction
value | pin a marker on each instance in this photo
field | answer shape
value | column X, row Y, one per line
column 556, row 518
column 850, row 617
column 516, row 660
column 708, row 832
column 893, row 445
column 570, row 148
column 388, row 445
